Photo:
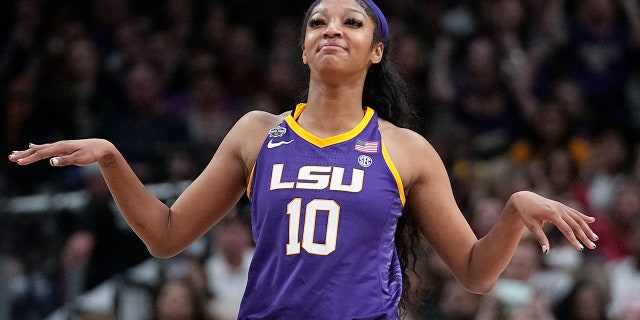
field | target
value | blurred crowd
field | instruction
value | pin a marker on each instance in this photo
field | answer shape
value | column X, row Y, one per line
column 542, row 95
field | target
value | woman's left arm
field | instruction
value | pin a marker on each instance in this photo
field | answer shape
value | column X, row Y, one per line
column 476, row 263
column 525, row 208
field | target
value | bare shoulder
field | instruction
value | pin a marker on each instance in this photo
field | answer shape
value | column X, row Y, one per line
column 260, row 120
column 250, row 131
column 409, row 151
column 392, row 133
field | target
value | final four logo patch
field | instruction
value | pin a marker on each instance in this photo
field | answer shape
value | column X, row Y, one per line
column 277, row 132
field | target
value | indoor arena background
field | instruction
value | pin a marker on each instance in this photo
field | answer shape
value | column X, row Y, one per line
column 514, row 94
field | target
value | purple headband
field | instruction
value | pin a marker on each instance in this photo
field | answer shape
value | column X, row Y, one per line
column 382, row 21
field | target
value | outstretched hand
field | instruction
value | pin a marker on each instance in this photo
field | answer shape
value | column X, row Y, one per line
column 535, row 211
column 64, row 153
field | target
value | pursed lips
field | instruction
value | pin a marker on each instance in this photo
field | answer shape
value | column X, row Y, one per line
column 332, row 45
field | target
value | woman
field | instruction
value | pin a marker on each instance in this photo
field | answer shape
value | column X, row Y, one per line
column 179, row 299
column 327, row 184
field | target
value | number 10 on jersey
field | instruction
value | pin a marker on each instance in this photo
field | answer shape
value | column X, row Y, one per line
column 294, row 211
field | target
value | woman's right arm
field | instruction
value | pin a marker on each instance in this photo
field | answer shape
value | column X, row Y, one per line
column 167, row 231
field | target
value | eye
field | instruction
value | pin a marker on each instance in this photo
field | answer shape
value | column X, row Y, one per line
column 354, row 22
column 316, row 22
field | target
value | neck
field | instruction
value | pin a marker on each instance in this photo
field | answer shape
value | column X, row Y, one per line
column 332, row 110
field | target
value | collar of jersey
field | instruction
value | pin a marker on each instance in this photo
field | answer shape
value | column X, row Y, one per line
column 291, row 120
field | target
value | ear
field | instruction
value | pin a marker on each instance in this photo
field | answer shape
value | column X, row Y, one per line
column 377, row 52
column 304, row 55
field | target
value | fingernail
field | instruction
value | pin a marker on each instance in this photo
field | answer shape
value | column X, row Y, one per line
column 31, row 145
column 596, row 237
column 545, row 250
column 593, row 245
column 54, row 161
column 581, row 247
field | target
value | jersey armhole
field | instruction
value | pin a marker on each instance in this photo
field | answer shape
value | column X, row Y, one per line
column 250, row 181
column 394, row 172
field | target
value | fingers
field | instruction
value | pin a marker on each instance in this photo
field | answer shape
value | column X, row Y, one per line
column 574, row 226
column 581, row 229
column 584, row 221
column 24, row 157
column 61, row 161
column 64, row 153
column 15, row 156
column 570, row 233
column 35, row 153
column 542, row 238
column 572, row 223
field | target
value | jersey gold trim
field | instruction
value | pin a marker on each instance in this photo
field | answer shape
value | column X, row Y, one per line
column 394, row 172
column 325, row 142
column 250, row 180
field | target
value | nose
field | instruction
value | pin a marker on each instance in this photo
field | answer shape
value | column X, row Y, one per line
column 333, row 29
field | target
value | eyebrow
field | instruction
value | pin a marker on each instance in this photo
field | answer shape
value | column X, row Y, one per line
column 350, row 10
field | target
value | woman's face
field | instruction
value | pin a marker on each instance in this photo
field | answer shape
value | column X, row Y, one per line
column 339, row 37
column 174, row 302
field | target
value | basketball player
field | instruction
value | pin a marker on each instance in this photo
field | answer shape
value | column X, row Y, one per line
column 328, row 183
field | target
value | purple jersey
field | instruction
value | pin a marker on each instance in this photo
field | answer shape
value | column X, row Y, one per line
column 324, row 214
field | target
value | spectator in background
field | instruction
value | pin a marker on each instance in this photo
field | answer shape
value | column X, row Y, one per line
column 228, row 266
column 131, row 295
column 557, row 176
column 168, row 59
column 181, row 19
column 625, row 279
column 479, row 97
column 210, row 114
column 615, row 225
column 284, row 48
column 107, row 17
column 569, row 97
column 29, row 296
column 519, row 294
column 456, row 303
column 179, row 300
column 146, row 131
column 20, row 117
column 102, row 244
column 446, row 132
column 23, row 123
column 215, row 28
column 596, row 39
column 284, row 71
column 414, row 69
column 434, row 278
column 486, row 210
column 286, row 85
column 21, row 47
column 246, row 78
column 587, row 300
column 548, row 131
column 129, row 49
column 82, row 100
column 507, row 27
column 608, row 164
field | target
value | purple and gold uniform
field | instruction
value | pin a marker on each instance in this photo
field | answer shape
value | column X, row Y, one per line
column 324, row 214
